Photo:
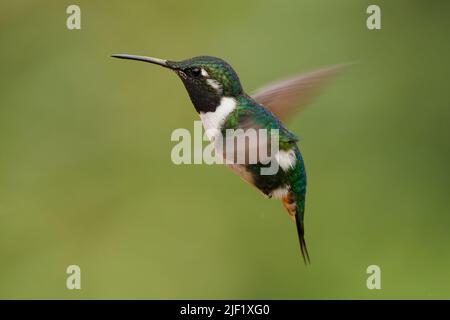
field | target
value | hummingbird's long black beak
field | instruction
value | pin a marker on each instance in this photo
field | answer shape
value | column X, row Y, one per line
column 161, row 62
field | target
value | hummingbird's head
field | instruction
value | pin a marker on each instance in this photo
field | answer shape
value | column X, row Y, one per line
column 207, row 79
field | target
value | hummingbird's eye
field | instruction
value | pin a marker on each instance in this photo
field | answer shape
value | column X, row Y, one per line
column 195, row 72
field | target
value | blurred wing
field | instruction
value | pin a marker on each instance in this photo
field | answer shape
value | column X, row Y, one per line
column 286, row 97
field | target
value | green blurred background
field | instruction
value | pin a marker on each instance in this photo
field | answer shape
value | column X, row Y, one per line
column 86, row 176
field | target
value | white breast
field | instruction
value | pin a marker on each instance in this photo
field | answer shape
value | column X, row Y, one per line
column 214, row 120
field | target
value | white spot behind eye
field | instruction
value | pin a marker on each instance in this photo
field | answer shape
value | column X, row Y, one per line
column 204, row 73
column 215, row 85
column 212, row 82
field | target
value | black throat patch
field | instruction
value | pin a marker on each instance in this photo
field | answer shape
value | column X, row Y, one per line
column 204, row 98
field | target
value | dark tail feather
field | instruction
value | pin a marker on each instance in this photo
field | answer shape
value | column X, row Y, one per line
column 301, row 238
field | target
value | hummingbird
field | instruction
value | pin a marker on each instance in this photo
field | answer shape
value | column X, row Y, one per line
column 221, row 102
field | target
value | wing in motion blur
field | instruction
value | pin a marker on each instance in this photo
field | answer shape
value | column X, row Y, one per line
column 286, row 97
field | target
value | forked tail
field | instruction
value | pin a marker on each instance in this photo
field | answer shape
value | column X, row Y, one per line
column 301, row 238
column 296, row 210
